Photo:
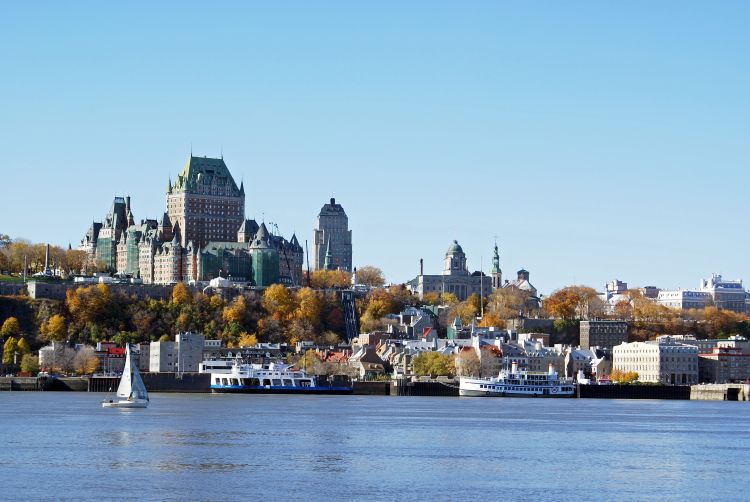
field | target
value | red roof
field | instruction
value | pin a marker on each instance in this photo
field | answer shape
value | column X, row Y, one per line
column 116, row 351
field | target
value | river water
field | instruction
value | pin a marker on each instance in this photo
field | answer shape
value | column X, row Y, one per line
column 64, row 446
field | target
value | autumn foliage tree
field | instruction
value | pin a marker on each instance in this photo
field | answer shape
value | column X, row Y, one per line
column 370, row 276
column 573, row 302
column 433, row 364
column 11, row 327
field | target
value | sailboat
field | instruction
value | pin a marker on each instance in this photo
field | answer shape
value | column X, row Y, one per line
column 131, row 392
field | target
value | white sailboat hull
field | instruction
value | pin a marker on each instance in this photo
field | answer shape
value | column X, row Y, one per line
column 125, row 404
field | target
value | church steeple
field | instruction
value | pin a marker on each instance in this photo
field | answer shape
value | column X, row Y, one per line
column 497, row 273
column 328, row 262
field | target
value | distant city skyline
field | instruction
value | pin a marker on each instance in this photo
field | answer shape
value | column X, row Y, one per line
column 597, row 141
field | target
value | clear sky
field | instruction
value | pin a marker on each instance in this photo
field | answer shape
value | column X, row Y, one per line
column 595, row 139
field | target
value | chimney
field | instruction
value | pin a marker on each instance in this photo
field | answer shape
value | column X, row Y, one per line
column 127, row 204
column 333, row 201
column 421, row 266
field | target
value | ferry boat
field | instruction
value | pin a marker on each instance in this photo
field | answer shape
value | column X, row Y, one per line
column 515, row 383
column 271, row 378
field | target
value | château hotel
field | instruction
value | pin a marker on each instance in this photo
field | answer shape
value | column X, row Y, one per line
column 203, row 234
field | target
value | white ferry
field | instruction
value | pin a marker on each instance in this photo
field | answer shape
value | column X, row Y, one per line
column 271, row 378
column 515, row 383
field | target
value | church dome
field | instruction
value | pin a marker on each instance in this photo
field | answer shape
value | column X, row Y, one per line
column 454, row 248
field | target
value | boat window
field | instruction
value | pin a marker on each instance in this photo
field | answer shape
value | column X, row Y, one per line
column 288, row 382
column 304, row 383
column 266, row 381
column 235, row 381
column 224, row 381
column 254, row 381
column 277, row 381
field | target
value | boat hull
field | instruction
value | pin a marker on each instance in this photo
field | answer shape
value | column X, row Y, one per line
column 241, row 389
column 480, row 393
column 124, row 404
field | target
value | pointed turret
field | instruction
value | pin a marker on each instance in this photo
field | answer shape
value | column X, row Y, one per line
column 169, row 185
column 295, row 243
column 242, row 187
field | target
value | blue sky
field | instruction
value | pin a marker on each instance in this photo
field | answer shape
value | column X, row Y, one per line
column 595, row 139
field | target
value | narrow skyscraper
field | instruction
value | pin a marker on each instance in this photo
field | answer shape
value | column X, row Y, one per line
column 332, row 239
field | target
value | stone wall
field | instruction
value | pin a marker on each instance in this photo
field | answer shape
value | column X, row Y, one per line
column 56, row 291
column 12, row 288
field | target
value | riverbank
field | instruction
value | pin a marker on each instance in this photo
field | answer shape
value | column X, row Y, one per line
column 199, row 383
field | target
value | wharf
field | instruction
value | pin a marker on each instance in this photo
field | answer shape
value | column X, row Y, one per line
column 721, row 392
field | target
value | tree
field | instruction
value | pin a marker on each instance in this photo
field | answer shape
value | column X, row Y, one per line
column 490, row 320
column 309, row 361
column 55, row 328
column 309, row 306
column 164, row 338
column 433, row 364
column 30, row 364
column 278, row 302
column 466, row 310
column 247, row 340
column 10, row 327
column 370, row 276
column 85, row 361
column 573, row 302
column 23, row 347
column 181, row 294
column 327, row 279
column 622, row 377
column 448, row 299
column 9, row 349
column 379, row 303
column 467, row 363
column 64, row 360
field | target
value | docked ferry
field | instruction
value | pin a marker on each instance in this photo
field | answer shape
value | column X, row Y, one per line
column 271, row 378
column 515, row 383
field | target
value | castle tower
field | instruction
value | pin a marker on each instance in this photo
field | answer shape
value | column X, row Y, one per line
column 205, row 203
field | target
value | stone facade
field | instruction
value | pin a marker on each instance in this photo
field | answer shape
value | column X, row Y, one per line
column 602, row 333
column 663, row 361
column 455, row 278
column 332, row 236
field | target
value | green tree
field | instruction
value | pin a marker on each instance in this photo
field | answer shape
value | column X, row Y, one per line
column 10, row 327
column 30, row 364
column 9, row 349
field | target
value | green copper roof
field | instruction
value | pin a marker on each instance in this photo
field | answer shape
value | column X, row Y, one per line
column 496, row 261
column 204, row 171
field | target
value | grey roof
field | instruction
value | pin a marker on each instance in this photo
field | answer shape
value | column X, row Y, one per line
column 455, row 248
column 249, row 227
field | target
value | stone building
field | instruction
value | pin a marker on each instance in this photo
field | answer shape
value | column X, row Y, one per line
column 603, row 333
column 455, row 278
column 663, row 360
column 724, row 365
column 203, row 234
column 204, row 203
column 332, row 236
